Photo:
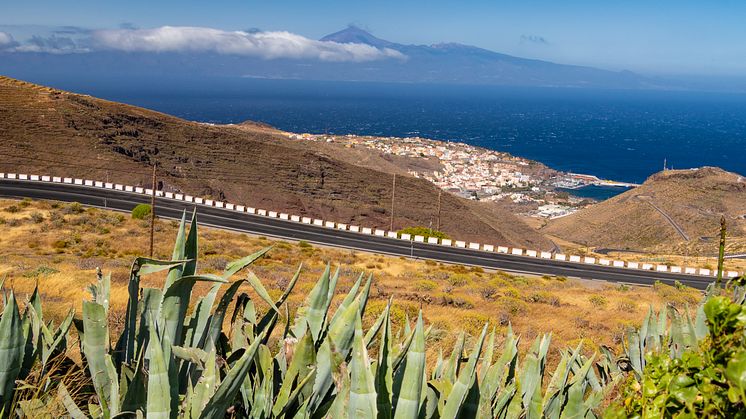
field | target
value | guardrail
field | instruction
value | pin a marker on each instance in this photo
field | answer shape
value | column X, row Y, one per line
column 515, row 251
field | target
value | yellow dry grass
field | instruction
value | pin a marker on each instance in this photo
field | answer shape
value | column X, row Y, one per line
column 61, row 245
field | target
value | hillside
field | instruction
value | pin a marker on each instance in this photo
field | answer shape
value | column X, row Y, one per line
column 673, row 211
column 45, row 130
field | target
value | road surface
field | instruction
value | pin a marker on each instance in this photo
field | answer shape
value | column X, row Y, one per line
column 275, row 227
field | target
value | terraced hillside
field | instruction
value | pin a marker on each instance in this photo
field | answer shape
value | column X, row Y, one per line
column 44, row 130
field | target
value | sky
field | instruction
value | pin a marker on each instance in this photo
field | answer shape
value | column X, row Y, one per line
column 662, row 37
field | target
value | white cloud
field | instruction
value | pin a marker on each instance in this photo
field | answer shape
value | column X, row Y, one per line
column 6, row 40
column 269, row 45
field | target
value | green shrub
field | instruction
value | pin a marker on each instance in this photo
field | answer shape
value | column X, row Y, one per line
column 702, row 375
column 305, row 245
column 458, row 280
column 598, row 301
column 425, row 285
column 12, row 209
column 141, row 211
column 37, row 217
column 423, row 231
column 73, row 208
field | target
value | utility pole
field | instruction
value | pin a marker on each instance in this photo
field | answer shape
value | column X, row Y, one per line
column 152, row 211
column 664, row 164
column 721, row 252
column 393, row 195
column 437, row 224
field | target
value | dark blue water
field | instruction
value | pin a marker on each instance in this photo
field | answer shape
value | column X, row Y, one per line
column 598, row 193
column 619, row 135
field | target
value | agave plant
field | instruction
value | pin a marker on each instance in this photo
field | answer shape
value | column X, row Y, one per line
column 179, row 356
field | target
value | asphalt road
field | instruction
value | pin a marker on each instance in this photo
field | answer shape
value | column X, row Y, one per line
column 275, row 227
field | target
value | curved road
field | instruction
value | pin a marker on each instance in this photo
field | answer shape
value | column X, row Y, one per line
column 275, row 227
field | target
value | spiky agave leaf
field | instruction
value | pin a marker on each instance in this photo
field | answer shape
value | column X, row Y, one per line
column 362, row 388
column 11, row 350
column 465, row 381
column 408, row 386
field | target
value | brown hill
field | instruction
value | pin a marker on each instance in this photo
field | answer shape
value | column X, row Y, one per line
column 45, row 130
column 675, row 210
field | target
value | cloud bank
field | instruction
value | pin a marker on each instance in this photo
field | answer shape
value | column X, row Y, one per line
column 268, row 45
column 185, row 39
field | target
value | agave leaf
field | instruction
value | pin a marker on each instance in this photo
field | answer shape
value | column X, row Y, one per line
column 141, row 266
column 338, row 409
column 72, row 409
column 135, row 397
column 159, row 387
column 489, row 350
column 191, row 248
column 95, row 347
column 192, row 355
column 57, row 343
column 503, row 402
column 342, row 331
column 205, row 387
column 348, row 299
column 300, row 366
column 231, row 384
column 179, row 253
column 295, row 395
column 175, row 302
column 362, row 388
column 407, row 388
column 237, row 265
column 111, row 372
column 451, row 368
column 373, row 331
column 384, row 373
column 312, row 314
column 11, row 350
column 466, row 377
column 216, row 322
column 575, row 408
column 261, row 291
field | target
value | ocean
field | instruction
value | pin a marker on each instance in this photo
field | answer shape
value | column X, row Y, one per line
column 613, row 134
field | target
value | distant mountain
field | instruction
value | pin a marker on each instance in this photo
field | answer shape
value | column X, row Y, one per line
column 355, row 35
column 458, row 63
column 438, row 63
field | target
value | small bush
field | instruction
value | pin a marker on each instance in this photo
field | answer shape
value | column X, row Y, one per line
column 12, row 209
column 305, row 245
column 627, row 305
column 544, row 297
column 513, row 306
column 425, row 285
column 598, row 301
column 73, row 208
column 59, row 244
column 25, row 202
column 141, row 211
column 423, row 231
column 37, row 217
column 41, row 270
column 458, row 280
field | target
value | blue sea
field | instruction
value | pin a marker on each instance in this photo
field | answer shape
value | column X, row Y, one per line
column 618, row 135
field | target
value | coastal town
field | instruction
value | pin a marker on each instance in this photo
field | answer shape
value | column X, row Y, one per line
column 480, row 174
